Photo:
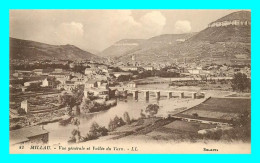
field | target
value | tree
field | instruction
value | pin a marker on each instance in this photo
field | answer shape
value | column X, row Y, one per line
column 127, row 118
column 240, row 82
column 151, row 110
column 123, row 78
column 111, row 125
column 195, row 115
column 76, row 122
column 86, row 104
column 96, row 131
column 68, row 100
column 117, row 122
column 21, row 111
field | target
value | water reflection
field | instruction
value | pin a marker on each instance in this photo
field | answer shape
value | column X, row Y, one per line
column 61, row 134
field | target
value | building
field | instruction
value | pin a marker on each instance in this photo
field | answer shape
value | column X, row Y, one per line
column 43, row 71
column 103, row 85
column 101, row 77
column 99, row 92
column 148, row 68
column 58, row 70
column 129, row 68
column 49, row 82
column 67, row 86
column 78, row 80
column 131, row 84
column 91, row 84
column 61, row 76
column 117, row 74
column 32, row 83
column 25, row 106
column 194, row 71
column 90, row 71
column 38, row 71
column 34, row 134
column 97, row 88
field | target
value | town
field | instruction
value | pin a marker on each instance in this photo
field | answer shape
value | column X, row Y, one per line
column 37, row 87
column 188, row 87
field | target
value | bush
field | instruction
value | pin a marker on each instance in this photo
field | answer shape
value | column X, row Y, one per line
column 91, row 136
column 127, row 118
column 75, row 132
column 123, row 78
column 21, row 111
column 98, row 107
column 152, row 110
column 75, row 135
column 96, row 131
column 241, row 83
column 15, row 127
column 117, row 122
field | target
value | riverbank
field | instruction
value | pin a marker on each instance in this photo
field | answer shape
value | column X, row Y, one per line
column 203, row 125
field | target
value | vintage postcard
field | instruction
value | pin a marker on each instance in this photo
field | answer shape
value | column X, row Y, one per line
column 130, row 81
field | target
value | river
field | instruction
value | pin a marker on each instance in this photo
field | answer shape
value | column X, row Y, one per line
column 61, row 134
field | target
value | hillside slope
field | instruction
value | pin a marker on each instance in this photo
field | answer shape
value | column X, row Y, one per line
column 24, row 49
column 120, row 47
column 217, row 44
column 224, row 34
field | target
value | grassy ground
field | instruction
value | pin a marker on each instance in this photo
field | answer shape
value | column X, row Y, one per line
column 160, row 129
column 179, row 131
column 218, row 109
column 240, row 95
column 225, row 105
column 168, row 129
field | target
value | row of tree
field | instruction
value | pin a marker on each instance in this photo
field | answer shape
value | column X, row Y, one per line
column 96, row 130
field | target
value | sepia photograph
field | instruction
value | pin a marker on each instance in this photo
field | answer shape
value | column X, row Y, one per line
column 130, row 81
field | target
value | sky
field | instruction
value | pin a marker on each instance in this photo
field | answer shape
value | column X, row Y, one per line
column 95, row 30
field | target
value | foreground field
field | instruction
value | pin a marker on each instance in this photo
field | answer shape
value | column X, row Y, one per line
column 219, row 109
column 203, row 127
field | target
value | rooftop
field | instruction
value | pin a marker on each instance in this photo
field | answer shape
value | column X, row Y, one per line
column 22, row 135
column 91, row 81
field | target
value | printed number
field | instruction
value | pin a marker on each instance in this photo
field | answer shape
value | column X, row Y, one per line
column 21, row 147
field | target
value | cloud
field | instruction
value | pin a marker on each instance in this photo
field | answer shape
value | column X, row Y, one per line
column 95, row 29
column 153, row 22
column 70, row 32
column 182, row 26
column 121, row 24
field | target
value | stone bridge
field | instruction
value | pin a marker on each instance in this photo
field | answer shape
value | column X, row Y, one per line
column 146, row 92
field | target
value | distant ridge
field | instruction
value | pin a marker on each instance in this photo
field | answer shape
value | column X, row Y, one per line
column 239, row 15
column 218, row 44
column 26, row 49
column 120, row 47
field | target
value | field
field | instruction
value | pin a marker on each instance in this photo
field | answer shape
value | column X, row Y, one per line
column 218, row 109
column 225, row 105
column 179, row 131
column 160, row 129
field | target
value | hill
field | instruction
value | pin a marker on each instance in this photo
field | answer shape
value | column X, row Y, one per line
column 160, row 42
column 25, row 49
column 120, row 47
column 239, row 15
column 213, row 44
